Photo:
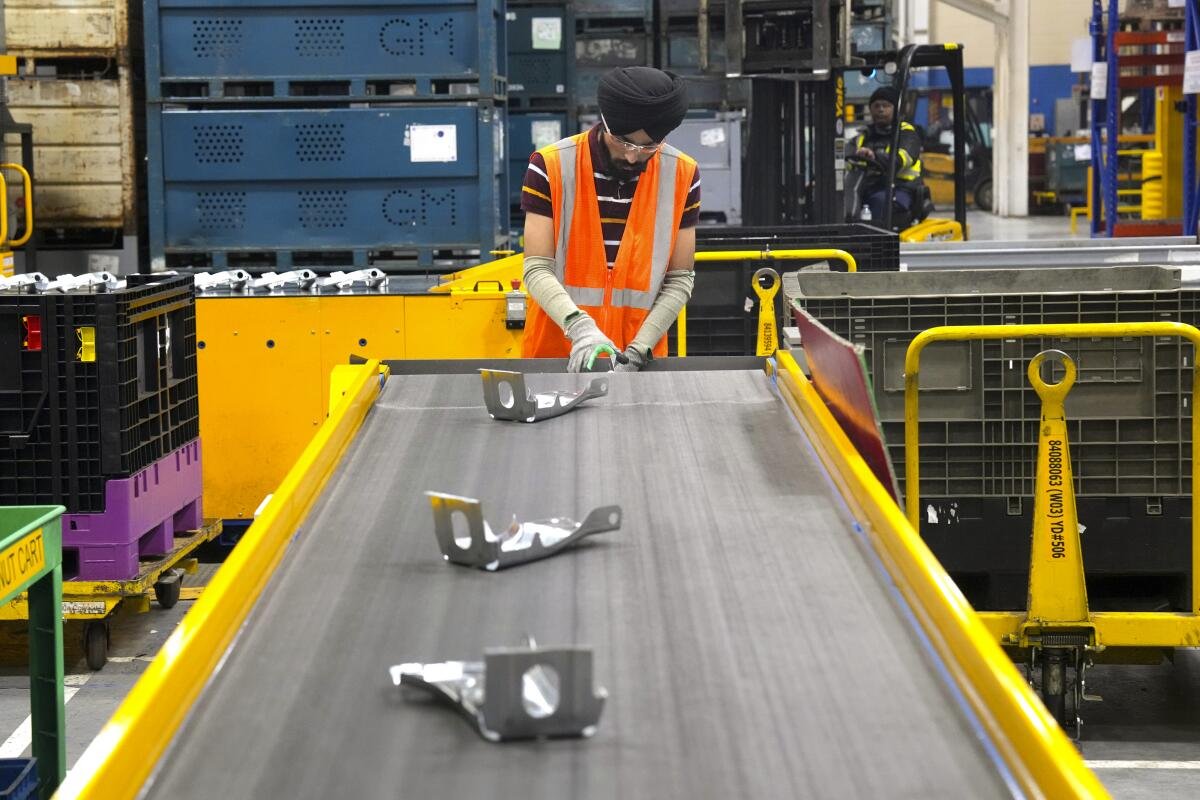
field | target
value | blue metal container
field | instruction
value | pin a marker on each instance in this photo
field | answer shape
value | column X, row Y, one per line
column 624, row 9
column 284, row 50
column 396, row 177
column 526, row 133
column 541, row 57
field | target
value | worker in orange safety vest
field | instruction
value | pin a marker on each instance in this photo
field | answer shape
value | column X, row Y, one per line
column 610, row 228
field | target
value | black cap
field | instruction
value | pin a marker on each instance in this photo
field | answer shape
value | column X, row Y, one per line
column 642, row 99
column 887, row 93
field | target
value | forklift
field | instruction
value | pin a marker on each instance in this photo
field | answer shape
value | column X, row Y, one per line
column 920, row 224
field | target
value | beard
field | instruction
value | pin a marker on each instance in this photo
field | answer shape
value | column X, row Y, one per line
column 621, row 169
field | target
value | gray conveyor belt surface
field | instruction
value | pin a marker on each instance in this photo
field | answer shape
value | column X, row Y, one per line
column 750, row 644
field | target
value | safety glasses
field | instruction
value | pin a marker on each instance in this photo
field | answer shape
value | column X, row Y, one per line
column 640, row 149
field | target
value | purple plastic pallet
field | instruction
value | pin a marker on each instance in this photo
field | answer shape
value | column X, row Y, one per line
column 142, row 514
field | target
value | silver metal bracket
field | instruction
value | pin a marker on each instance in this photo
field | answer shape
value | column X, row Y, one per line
column 507, row 397
column 515, row 693
column 519, row 543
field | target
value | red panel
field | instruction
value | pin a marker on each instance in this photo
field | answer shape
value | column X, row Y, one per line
column 1150, row 60
column 1164, row 228
column 1148, row 81
column 1142, row 37
column 33, row 333
column 840, row 377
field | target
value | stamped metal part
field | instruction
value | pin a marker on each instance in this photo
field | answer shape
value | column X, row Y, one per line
column 508, row 398
column 520, row 542
column 516, row 693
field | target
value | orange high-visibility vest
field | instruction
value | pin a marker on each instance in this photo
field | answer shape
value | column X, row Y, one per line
column 618, row 299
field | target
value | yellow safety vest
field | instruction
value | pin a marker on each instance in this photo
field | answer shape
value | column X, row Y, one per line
column 908, row 169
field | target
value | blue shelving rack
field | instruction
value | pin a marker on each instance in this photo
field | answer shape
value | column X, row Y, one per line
column 1158, row 49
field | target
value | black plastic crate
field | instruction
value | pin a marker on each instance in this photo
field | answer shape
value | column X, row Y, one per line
column 874, row 249
column 118, row 390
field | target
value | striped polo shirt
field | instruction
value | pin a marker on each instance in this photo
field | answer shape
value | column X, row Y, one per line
column 615, row 196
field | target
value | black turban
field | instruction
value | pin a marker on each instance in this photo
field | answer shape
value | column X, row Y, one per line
column 887, row 93
column 642, row 99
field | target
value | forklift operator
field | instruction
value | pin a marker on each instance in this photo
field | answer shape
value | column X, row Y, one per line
column 875, row 145
column 610, row 236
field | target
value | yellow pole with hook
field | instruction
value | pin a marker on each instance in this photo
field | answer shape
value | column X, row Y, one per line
column 768, row 339
column 767, row 344
column 1057, row 589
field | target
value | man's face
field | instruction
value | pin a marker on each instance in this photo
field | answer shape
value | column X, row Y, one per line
column 627, row 162
column 882, row 113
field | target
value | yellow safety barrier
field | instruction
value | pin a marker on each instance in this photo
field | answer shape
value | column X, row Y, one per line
column 1043, row 761
column 681, row 333
column 768, row 254
column 767, row 339
column 27, row 183
column 125, row 752
column 1112, row 629
column 3, row 209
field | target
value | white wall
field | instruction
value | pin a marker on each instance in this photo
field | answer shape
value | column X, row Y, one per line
column 1052, row 26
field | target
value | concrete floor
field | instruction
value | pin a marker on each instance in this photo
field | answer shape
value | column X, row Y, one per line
column 983, row 226
column 92, row 697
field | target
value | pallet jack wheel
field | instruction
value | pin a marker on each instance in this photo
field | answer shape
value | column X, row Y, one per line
column 166, row 591
column 1054, row 684
column 95, row 644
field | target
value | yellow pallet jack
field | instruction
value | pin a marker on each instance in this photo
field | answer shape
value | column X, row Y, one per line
column 1057, row 634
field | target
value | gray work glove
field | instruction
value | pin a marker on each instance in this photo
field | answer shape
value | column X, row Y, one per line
column 587, row 343
column 634, row 360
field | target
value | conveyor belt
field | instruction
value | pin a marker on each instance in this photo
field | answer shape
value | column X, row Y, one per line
column 749, row 642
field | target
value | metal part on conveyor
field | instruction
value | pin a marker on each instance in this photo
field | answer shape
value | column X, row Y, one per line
column 230, row 279
column 516, row 693
column 507, row 398
column 1177, row 251
column 104, row 281
column 370, row 278
column 519, row 543
column 33, row 280
column 293, row 279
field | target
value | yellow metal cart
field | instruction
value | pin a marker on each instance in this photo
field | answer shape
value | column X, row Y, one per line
column 94, row 602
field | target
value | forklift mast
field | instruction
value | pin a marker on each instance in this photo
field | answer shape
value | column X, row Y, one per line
column 797, row 55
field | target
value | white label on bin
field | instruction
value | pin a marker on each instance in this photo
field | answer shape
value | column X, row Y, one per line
column 1100, row 80
column 546, row 33
column 433, row 143
column 712, row 137
column 1083, row 152
column 1191, row 72
column 545, row 131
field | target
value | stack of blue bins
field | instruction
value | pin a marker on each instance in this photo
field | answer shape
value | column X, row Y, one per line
column 541, row 88
column 344, row 133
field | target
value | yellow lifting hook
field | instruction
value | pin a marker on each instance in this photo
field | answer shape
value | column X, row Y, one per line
column 1057, row 626
column 1057, row 591
column 768, row 338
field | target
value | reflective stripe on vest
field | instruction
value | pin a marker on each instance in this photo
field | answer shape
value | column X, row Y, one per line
column 903, row 173
column 664, row 227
